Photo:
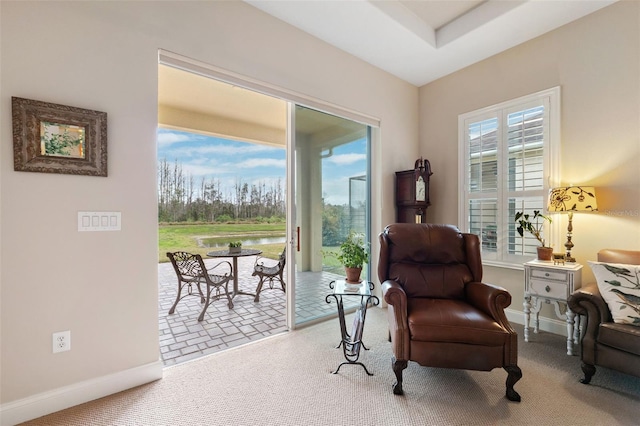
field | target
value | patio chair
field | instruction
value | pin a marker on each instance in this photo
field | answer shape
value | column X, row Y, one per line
column 191, row 270
column 269, row 273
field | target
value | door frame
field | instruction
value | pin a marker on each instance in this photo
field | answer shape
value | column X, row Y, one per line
column 293, row 98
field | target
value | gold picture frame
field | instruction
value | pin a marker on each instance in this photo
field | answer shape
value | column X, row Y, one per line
column 52, row 138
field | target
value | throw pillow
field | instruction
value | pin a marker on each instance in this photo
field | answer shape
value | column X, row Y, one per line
column 619, row 285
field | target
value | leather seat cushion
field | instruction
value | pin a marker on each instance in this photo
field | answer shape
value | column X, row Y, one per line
column 624, row 337
column 452, row 320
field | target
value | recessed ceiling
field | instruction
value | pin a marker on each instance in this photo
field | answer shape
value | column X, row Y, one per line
column 421, row 41
column 418, row 41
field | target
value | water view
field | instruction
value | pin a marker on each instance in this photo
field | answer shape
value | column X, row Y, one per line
column 217, row 242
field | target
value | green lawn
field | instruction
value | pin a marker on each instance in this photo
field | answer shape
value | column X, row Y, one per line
column 185, row 237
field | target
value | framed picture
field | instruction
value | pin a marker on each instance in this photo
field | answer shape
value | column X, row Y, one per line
column 52, row 138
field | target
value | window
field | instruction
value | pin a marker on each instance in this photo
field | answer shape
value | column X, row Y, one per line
column 508, row 159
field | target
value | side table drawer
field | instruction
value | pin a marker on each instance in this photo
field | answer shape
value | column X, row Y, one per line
column 549, row 275
column 545, row 288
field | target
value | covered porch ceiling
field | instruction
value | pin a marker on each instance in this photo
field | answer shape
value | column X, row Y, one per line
column 198, row 104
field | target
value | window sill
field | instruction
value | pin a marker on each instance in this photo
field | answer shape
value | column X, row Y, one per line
column 505, row 265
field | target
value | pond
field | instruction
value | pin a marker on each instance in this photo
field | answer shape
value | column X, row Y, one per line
column 255, row 241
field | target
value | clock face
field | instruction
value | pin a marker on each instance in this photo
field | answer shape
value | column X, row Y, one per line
column 420, row 190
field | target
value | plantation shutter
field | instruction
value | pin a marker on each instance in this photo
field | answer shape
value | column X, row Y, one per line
column 505, row 159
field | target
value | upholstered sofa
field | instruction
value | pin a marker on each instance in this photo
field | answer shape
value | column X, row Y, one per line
column 604, row 342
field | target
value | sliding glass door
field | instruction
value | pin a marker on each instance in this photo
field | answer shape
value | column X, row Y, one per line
column 329, row 195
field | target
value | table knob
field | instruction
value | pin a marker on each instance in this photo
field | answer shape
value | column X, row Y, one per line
column 547, row 289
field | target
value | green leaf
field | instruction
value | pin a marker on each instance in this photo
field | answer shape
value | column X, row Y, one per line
column 617, row 271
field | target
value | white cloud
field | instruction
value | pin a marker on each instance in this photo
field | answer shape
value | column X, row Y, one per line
column 346, row 159
column 251, row 163
column 217, row 150
column 169, row 138
column 198, row 170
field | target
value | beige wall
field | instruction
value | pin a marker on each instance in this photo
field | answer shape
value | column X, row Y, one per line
column 596, row 62
column 103, row 55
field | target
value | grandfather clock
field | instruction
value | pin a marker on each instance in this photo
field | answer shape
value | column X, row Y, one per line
column 412, row 193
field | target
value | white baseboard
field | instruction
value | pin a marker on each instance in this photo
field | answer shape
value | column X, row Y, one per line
column 78, row 393
column 550, row 325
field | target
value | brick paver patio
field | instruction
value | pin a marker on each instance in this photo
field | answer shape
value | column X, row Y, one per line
column 183, row 338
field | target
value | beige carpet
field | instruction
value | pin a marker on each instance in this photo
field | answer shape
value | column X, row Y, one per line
column 286, row 380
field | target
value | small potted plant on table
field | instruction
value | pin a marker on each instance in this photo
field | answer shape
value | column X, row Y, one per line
column 534, row 226
column 353, row 254
column 235, row 246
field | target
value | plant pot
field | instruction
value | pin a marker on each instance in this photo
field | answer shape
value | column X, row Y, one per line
column 545, row 253
column 353, row 275
column 235, row 250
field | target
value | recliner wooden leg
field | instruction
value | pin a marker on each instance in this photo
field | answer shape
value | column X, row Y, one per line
column 398, row 366
column 588, row 370
column 515, row 374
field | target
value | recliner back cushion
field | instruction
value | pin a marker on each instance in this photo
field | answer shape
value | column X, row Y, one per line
column 434, row 281
column 428, row 260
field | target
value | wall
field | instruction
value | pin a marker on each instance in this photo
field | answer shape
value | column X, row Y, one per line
column 596, row 62
column 103, row 285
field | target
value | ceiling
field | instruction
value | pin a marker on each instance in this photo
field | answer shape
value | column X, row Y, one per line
column 418, row 41
column 422, row 40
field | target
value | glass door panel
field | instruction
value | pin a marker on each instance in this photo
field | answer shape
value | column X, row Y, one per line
column 331, row 198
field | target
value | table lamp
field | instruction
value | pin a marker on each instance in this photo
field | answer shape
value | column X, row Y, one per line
column 569, row 199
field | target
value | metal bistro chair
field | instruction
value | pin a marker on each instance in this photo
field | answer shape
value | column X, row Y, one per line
column 191, row 270
column 270, row 273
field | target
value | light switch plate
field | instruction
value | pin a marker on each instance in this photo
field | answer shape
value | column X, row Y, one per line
column 99, row 221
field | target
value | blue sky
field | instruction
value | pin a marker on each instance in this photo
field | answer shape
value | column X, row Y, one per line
column 228, row 161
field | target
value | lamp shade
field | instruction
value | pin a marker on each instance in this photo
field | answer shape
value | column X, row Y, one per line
column 572, row 199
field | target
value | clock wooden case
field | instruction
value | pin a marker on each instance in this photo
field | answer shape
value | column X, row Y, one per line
column 412, row 193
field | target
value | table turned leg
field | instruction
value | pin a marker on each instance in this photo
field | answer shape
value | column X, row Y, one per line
column 527, row 316
column 570, row 322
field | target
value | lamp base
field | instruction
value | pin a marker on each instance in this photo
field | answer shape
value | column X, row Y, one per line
column 569, row 244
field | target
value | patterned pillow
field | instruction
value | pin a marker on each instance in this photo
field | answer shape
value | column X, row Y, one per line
column 619, row 285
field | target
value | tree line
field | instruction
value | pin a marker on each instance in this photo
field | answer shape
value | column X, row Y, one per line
column 183, row 198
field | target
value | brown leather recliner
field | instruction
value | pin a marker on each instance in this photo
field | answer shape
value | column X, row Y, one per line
column 605, row 343
column 440, row 312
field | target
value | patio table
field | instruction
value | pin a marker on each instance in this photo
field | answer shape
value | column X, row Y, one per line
column 234, row 257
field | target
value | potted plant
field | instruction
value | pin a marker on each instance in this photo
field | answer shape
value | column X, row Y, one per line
column 235, row 246
column 534, row 226
column 353, row 254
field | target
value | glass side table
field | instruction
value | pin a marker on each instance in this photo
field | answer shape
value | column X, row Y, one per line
column 352, row 342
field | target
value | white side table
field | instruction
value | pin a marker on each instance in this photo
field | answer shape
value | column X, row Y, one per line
column 552, row 283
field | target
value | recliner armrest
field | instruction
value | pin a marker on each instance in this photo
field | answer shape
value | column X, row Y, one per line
column 396, row 298
column 491, row 299
column 588, row 301
column 394, row 294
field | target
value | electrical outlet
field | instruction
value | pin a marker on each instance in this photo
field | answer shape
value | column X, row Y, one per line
column 61, row 341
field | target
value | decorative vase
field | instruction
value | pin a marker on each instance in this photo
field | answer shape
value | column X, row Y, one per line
column 545, row 253
column 235, row 249
column 353, row 275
